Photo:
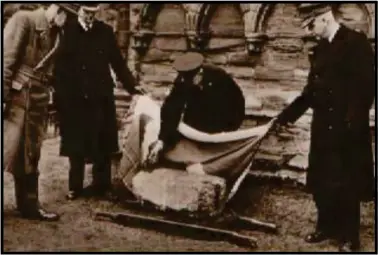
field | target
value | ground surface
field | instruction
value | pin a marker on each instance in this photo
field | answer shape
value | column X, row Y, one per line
column 291, row 209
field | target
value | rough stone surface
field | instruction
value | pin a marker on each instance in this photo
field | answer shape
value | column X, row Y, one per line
column 177, row 190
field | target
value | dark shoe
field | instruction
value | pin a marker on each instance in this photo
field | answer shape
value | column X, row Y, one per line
column 72, row 195
column 42, row 215
column 316, row 237
column 350, row 246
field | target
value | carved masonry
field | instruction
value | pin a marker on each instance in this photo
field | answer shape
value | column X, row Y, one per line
column 197, row 23
column 143, row 33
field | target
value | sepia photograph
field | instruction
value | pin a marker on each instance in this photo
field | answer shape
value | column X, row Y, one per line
column 180, row 127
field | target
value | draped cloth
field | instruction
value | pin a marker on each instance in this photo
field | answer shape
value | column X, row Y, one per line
column 226, row 155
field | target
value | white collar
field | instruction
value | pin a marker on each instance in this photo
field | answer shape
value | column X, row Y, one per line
column 333, row 28
column 84, row 25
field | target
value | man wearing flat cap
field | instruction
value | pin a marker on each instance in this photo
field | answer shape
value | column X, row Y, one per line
column 85, row 99
column 340, row 90
column 204, row 97
column 30, row 40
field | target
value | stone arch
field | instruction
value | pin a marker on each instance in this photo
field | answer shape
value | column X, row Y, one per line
column 148, row 15
column 254, row 16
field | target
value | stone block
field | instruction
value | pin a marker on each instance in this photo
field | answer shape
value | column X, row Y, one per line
column 242, row 59
column 156, row 55
column 299, row 162
column 252, row 103
column 225, row 43
column 217, row 59
column 277, row 74
column 177, row 190
column 169, row 44
column 289, row 45
column 167, row 78
column 240, row 72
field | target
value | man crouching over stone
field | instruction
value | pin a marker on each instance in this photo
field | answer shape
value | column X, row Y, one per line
column 204, row 97
column 204, row 109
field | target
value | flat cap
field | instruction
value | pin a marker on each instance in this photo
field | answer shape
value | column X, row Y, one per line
column 309, row 17
column 92, row 7
column 74, row 8
column 188, row 62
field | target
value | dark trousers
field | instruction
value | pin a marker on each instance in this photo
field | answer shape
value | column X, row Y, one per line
column 101, row 173
column 26, row 185
column 338, row 214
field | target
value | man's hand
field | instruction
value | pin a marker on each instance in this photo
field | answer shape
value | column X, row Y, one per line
column 283, row 130
column 154, row 152
column 196, row 169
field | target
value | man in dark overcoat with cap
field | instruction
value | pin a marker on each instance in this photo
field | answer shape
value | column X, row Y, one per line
column 85, row 99
column 340, row 91
column 204, row 97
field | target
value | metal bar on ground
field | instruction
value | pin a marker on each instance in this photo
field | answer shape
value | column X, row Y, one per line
column 130, row 219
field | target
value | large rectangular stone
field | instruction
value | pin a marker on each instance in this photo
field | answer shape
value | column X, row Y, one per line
column 178, row 190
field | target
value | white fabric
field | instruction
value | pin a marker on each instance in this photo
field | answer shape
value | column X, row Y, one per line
column 145, row 105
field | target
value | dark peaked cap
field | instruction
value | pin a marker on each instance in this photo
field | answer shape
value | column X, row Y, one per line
column 309, row 17
column 188, row 62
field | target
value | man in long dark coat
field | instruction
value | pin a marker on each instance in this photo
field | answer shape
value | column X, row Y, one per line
column 28, row 41
column 340, row 91
column 85, row 100
column 204, row 97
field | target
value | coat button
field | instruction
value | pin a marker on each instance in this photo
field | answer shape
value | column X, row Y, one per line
column 83, row 67
column 330, row 109
column 86, row 96
column 330, row 127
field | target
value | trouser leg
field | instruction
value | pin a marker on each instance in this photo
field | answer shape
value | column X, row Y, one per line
column 102, row 173
column 26, row 185
column 349, row 216
column 76, row 174
column 326, row 214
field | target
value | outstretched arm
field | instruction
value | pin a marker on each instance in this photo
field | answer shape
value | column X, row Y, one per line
column 119, row 66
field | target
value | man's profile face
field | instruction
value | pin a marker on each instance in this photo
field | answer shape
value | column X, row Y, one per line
column 317, row 26
column 60, row 18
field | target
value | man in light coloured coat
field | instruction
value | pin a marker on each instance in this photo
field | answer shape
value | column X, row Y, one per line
column 29, row 37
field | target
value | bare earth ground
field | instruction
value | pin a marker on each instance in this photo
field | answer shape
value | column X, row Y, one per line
column 291, row 209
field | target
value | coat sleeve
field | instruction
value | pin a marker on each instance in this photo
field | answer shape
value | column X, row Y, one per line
column 119, row 66
column 300, row 104
column 361, row 88
column 234, row 112
column 170, row 113
column 14, row 45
